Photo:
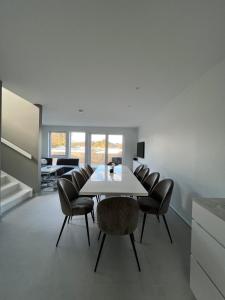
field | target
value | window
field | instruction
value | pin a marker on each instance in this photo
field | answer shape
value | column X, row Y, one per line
column 57, row 144
column 98, row 144
column 115, row 148
column 77, row 146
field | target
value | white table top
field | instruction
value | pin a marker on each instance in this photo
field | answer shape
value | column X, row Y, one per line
column 50, row 169
column 121, row 182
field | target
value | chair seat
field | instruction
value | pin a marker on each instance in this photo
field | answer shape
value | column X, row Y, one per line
column 149, row 205
column 82, row 205
column 87, row 196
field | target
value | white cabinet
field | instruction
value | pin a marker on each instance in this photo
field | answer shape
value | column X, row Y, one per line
column 207, row 278
column 201, row 285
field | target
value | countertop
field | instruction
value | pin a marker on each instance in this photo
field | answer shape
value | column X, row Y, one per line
column 214, row 205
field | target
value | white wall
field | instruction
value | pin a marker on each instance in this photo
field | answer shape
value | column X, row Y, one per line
column 130, row 137
column 186, row 141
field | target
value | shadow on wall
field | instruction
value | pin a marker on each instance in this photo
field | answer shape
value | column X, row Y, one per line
column 182, row 201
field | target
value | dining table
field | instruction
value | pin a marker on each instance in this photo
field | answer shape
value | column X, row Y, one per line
column 122, row 182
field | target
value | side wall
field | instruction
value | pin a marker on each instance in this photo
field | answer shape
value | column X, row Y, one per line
column 130, row 138
column 186, row 141
column 21, row 126
column 0, row 136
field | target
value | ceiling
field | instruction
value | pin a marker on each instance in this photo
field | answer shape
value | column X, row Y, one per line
column 120, row 61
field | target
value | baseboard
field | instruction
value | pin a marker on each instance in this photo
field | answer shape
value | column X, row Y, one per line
column 182, row 217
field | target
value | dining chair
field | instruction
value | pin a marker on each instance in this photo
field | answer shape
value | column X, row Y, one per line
column 72, row 204
column 117, row 216
column 84, row 173
column 157, row 203
column 150, row 181
column 138, row 169
column 143, row 174
column 90, row 169
column 78, row 179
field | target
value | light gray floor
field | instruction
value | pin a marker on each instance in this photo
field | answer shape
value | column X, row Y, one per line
column 32, row 268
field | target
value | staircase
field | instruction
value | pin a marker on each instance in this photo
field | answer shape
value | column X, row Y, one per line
column 12, row 192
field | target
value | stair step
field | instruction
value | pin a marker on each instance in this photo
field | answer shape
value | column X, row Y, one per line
column 12, row 191
column 3, row 179
column 15, row 199
column 9, row 189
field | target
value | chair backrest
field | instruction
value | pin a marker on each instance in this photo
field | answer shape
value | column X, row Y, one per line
column 117, row 215
column 68, row 161
column 84, row 173
column 162, row 193
column 67, row 193
column 143, row 174
column 150, row 181
column 78, row 180
column 90, row 169
column 138, row 169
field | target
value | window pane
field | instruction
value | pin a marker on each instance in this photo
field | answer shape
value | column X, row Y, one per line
column 97, row 149
column 58, row 143
column 115, row 148
column 77, row 146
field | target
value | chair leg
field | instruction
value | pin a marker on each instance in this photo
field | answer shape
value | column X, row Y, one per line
column 93, row 215
column 99, row 235
column 157, row 216
column 143, row 226
column 167, row 228
column 86, row 220
column 135, row 252
column 64, row 222
column 100, row 251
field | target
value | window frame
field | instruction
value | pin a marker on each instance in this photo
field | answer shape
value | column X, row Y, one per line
column 85, row 146
column 107, row 158
column 106, row 145
column 50, row 145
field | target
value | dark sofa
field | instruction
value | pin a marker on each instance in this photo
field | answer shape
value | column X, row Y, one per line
column 69, row 166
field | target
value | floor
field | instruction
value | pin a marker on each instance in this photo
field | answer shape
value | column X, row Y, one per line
column 32, row 268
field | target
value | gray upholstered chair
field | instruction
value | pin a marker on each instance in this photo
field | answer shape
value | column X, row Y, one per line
column 117, row 216
column 157, row 203
column 78, row 179
column 84, row 173
column 72, row 204
column 90, row 169
column 138, row 169
column 150, row 181
column 143, row 174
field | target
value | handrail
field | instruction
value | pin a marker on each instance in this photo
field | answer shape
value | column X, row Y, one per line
column 16, row 148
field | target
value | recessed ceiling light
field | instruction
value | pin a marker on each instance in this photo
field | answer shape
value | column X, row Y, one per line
column 80, row 110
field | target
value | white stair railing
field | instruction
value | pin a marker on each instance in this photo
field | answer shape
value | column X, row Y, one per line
column 16, row 148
